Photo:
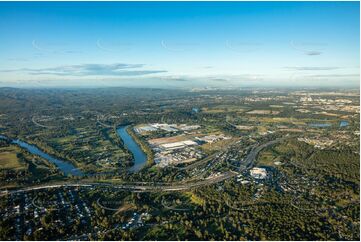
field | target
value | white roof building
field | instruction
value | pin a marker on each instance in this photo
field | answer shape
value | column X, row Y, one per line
column 258, row 173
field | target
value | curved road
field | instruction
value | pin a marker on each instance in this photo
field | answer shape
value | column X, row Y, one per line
column 251, row 157
column 148, row 187
column 157, row 187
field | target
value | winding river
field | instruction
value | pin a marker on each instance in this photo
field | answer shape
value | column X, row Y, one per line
column 140, row 158
column 65, row 166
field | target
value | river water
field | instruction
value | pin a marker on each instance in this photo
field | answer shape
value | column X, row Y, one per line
column 65, row 166
column 344, row 123
column 140, row 158
column 320, row 125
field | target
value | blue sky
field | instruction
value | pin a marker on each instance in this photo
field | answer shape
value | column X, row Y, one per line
column 179, row 44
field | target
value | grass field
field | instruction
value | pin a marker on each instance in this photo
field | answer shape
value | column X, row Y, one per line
column 8, row 159
column 219, row 145
column 224, row 109
column 266, row 158
column 125, row 207
column 195, row 199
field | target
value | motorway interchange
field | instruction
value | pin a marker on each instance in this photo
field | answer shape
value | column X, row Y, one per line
column 247, row 163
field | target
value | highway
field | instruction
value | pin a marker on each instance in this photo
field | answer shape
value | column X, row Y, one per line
column 40, row 125
column 158, row 187
column 205, row 160
column 146, row 187
column 251, row 157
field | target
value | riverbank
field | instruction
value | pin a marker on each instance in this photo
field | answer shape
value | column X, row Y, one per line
column 65, row 167
column 145, row 148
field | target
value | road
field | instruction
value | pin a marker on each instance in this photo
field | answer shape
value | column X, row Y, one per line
column 197, row 163
column 158, row 187
column 173, row 208
column 105, row 125
column 40, row 125
column 146, row 187
column 251, row 157
column 205, row 160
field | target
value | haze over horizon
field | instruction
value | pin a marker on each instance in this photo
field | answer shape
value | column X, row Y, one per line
column 179, row 44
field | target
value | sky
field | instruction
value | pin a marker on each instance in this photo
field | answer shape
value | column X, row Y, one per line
column 179, row 44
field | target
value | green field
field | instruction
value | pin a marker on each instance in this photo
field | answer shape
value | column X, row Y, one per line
column 9, row 160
